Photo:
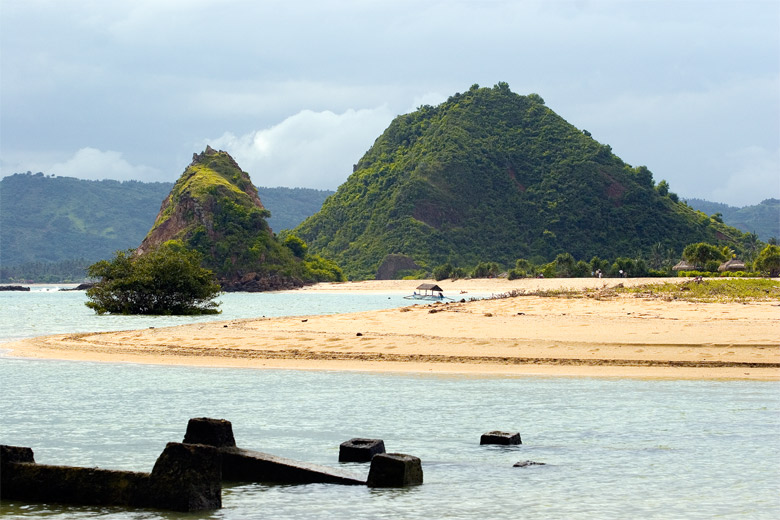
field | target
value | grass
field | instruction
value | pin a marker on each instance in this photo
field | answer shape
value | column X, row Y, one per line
column 710, row 290
column 707, row 290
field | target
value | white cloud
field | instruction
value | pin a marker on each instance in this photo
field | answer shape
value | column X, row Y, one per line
column 311, row 149
column 91, row 163
column 755, row 176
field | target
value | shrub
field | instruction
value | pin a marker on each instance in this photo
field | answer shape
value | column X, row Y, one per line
column 167, row 280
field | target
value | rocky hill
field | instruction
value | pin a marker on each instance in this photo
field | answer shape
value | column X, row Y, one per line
column 493, row 175
column 214, row 209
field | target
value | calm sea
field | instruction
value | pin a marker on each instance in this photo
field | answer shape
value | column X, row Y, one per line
column 612, row 448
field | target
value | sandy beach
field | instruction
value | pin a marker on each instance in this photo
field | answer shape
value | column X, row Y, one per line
column 625, row 336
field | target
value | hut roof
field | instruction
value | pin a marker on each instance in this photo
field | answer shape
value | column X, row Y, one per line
column 683, row 266
column 735, row 264
column 430, row 287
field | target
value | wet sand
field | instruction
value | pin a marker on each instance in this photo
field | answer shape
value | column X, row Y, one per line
column 626, row 336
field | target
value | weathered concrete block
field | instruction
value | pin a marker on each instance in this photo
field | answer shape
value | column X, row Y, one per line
column 395, row 470
column 253, row 466
column 360, row 450
column 187, row 477
column 15, row 454
column 503, row 438
column 212, row 432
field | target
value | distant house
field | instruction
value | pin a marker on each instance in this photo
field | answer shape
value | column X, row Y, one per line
column 684, row 266
column 733, row 265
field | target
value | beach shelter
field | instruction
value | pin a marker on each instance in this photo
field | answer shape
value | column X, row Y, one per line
column 684, row 266
column 433, row 288
column 733, row 265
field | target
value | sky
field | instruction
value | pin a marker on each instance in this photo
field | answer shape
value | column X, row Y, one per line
column 297, row 91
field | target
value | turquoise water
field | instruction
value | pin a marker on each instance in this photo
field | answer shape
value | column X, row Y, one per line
column 613, row 448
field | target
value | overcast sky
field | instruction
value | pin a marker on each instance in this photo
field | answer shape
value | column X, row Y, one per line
column 297, row 91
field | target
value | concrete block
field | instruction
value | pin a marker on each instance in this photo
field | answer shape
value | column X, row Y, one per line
column 360, row 450
column 502, row 438
column 395, row 470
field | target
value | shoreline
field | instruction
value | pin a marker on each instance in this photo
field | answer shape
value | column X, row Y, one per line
column 625, row 336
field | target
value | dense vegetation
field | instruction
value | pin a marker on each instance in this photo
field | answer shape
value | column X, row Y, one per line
column 214, row 209
column 490, row 175
column 48, row 222
column 762, row 219
column 168, row 280
column 51, row 219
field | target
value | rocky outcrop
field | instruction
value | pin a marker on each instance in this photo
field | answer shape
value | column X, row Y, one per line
column 214, row 209
column 13, row 288
column 392, row 264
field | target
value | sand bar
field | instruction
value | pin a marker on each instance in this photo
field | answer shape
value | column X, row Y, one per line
column 626, row 336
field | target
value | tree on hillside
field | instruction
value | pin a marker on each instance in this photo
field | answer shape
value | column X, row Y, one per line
column 768, row 260
column 167, row 280
column 701, row 253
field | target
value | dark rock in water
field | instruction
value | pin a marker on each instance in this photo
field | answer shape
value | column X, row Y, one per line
column 525, row 463
column 187, row 477
column 395, row 470
column 212, row 432
column 502, row 438
column 13, row 288
column 360, row 450
column 81, row 287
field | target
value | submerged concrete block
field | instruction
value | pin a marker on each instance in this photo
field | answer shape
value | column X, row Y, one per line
column 503, row 438
column 395, row 470
column 15, row 454
column 187, row 477
column 360, row 450
column 212, row 432
column 253, row 466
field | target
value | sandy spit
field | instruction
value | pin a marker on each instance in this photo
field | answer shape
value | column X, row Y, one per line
column 526, row 335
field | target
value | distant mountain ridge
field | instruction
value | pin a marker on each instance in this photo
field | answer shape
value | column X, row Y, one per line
column 53, row 219
column 763, row 219
column 490, row 175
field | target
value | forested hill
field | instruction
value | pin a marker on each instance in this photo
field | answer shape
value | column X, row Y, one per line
column 762, row 219
column 490, row 175
column 52, row 219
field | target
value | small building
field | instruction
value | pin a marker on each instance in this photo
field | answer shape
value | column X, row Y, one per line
column 684, row 266
column 733, row 265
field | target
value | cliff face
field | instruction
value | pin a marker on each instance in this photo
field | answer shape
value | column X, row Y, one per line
column 214, row 208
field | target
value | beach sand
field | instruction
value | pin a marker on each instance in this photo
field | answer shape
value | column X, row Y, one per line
column 624, row 336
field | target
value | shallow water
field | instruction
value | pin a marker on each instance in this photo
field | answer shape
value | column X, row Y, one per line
column 613, row 448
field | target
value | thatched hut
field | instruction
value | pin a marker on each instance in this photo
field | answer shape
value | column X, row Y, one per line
column 684, row 266
column 733, row 265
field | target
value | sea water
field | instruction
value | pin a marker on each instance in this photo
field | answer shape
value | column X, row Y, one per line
column 612, row 448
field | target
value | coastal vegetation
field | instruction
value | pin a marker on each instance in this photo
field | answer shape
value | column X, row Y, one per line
column 493, row 176
column 168, row 280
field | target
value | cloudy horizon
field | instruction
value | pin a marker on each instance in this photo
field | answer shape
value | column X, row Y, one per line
column 298, row 91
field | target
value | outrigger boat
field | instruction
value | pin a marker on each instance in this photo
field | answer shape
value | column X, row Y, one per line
column 428, row 291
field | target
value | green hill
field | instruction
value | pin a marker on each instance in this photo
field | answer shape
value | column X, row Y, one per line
column 58, row 219
column 214, row 209
column 762, row 219
column 492, row 175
